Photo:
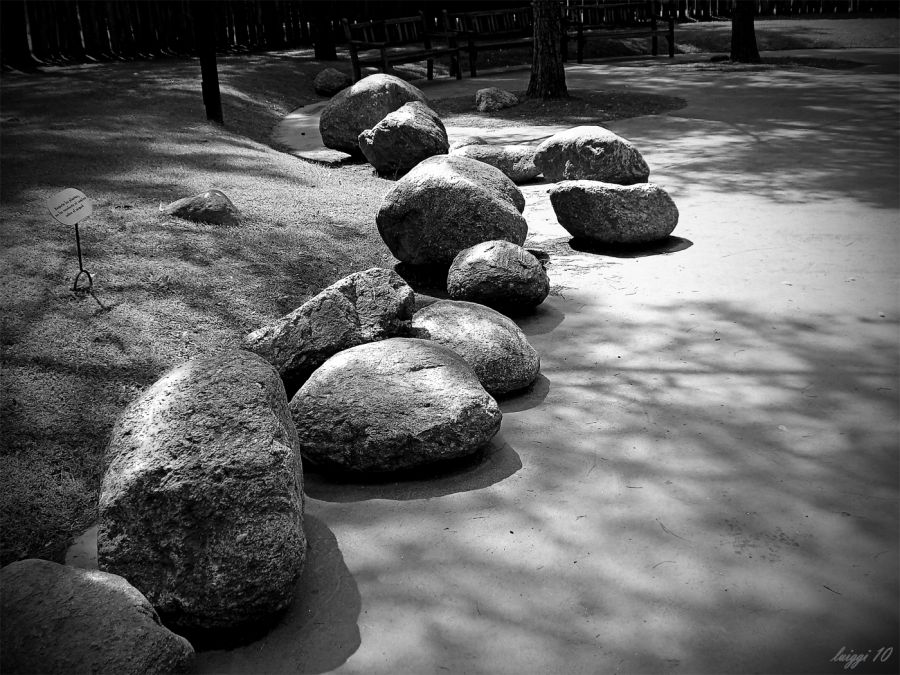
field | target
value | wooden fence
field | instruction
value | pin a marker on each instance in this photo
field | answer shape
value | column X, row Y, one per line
column 34, row 32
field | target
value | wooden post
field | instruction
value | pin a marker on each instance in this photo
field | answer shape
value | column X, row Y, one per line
column 203, row 14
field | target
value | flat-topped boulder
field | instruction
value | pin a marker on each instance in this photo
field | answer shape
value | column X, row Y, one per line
column 492, row 344
column 58, row 619
column 446, row 204
column 361, row 106
column 201, row 506
column 366, row 306
column 404, row 138
column 396, row 404
column 590, row 153
column 212, row 206
column 500, row 275
column 607, row 213
column 515, row 161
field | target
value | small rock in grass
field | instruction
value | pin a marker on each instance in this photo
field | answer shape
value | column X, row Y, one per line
column 212, row 206
column 492, row 99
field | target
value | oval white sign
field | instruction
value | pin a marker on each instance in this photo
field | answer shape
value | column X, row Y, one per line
column 70, row 206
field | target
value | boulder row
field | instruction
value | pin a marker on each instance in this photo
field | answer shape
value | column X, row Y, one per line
column 590, row 153
column 500, row 275
column 607, row 213
column 404, row 138
column 515, row 161
column 446, row 204
column 361, row 106
column 201, row 506
column 366, row 306
column 58, row 619
column 492, row 344
column 396, row 404
column 212, row 206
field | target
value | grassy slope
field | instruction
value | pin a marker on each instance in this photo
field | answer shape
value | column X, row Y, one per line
column 132, row 135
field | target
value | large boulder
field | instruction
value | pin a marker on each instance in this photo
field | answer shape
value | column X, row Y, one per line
column 362, row 106
column 590, row 153
column 330, row 81
column 201, row 507
column 212, row 206
column 446, row 204
column 58, row 619
column 492, row 344
column 515, row 161
column 404, row 138
column 606, row 213
column 498, row 274
column 491, row 99
column 363, row 307
column 396, row 404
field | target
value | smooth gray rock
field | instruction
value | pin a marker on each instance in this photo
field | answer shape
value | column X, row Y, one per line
column 58, row 619
column 366, row 306
column 201, row 506
column 362, row 106
column 515, row 161
column 212, row 206
column 500, row 275
column 396, row 404
column 590, row 153
column 607, row 213
column 330, row 81
column 492, row 344
column 404, row 138
column 492, row 99
column 446, row 204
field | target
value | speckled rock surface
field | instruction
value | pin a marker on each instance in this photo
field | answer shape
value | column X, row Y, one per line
column 515, row 161
column 492, row 344
column 390, row 405
column 201, row 506
column 446, row 204
column 362, row 106
column 498, row 274
column 404, row 138
column 212, row 206
column 490, row 99
column 58, row 619
column 614, row 214
column 591, row 153
column 366, row 306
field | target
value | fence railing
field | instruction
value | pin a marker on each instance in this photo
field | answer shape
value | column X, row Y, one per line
column 34, row 32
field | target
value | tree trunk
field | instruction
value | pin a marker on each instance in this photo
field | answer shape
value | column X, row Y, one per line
column 743, row 33
column 204, row 19
column 548, row 75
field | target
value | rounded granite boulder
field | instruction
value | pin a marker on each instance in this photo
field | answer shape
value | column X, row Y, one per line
column 515, row 161
column 590, row 153
column 397, row 404
column 404, row 138
column 500, row 275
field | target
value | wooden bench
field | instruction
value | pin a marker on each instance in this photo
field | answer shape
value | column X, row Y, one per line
column 491, row 30
column 405, row 40
column 598, row 20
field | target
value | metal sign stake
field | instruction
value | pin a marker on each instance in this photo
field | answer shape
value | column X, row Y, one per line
column 81, row 270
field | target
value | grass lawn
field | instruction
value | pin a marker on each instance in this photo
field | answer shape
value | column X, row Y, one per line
column 131, row 136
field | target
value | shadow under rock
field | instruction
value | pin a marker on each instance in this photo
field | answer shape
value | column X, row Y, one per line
column 526, row 399
column 670, row 244
column 317, row 633
column 489, row 465
column 425, row 279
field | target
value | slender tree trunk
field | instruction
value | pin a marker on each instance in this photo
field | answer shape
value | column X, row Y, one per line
column 203, row 16
column 548, row 75
column 743, row 32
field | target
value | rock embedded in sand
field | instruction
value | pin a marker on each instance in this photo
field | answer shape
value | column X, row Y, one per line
column 201, row 506
column 591, row 153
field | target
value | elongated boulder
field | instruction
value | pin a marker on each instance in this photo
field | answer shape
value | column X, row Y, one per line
column 492, row 344
column 446, row 204
column 500, row 275
column 201, row 507
column 212, row 206
column 606, row 213
column 590, row 153
column 404, row 138
column 58, row 619
column 366, row 306
column 396, row 404
column 362, row 106
column 515, row 161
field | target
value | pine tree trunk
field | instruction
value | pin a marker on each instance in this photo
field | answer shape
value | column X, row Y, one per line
column 743, row 32
column 548, row 75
